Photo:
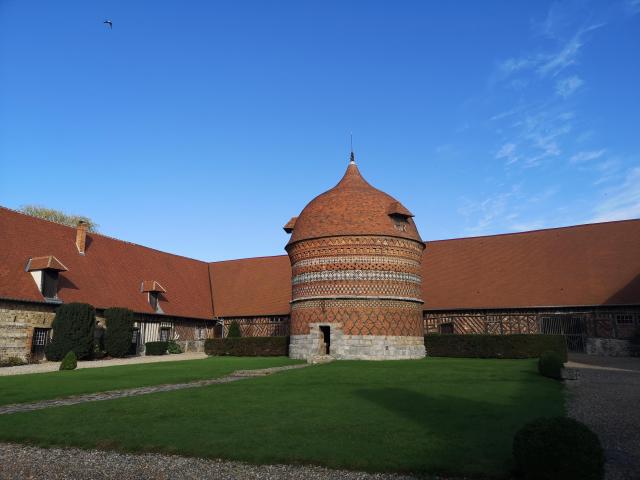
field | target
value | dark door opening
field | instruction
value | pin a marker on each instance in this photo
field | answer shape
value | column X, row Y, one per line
column 135, row 342
column 572, row 327
column 326, row 337
column 41, row 338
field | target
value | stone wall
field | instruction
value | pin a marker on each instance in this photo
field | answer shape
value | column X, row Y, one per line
column 17, row 321
column 609, row 347
column 355, row 347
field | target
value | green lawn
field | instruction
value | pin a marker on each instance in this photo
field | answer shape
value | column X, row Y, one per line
column 41, row 386
column 438, row 415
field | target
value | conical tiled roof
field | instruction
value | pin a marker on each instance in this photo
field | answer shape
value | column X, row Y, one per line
column 353, row 207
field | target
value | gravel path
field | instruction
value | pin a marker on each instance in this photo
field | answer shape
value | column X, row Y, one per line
column 606, row 396
column 54, row 366
column 134, row 392
column 24, row 462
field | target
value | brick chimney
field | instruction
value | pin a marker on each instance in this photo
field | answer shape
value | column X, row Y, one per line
column 81, row 236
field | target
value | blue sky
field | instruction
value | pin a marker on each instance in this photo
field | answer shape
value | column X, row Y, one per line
column 200, row 128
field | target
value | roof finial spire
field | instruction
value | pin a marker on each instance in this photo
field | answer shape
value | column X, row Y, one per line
column 352, row 158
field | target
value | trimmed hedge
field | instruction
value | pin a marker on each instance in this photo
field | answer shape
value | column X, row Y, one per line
column 248, row 346
column 553, row 448
column 550, row 365
column 494, row 346
column 69, row 362
column 73, row 330
column 117, row 338
column 155, row 348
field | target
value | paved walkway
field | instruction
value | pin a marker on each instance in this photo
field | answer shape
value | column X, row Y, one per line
column 54, row 366
column 134, row 392
column 606, row 396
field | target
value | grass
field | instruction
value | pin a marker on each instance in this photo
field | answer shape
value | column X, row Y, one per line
column 42, row 386
column 438, row 415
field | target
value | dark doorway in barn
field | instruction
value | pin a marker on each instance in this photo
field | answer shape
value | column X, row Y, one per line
column 573, row 327
column 326, row 337
column 135, row 342
column 40, row 340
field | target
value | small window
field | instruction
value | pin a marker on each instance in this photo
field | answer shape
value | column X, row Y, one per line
column 41, row 336
column 164, row 334
column 50, row 283
column 624, row 319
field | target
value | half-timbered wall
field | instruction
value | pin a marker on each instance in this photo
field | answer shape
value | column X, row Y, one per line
column 606, row 322
column 271, row 326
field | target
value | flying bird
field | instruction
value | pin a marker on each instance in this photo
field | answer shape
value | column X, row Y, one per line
column 109, row 23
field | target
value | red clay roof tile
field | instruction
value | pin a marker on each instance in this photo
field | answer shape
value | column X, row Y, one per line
column 251, row 286
column 108, row 275
column 46, row 263
column 597, row 264
column 152, row 286
column 352, row 207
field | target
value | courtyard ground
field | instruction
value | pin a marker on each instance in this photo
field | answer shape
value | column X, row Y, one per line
column 438, row 415
column 606, row 396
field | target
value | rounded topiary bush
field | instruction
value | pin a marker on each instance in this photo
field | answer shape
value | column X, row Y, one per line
column 69, row 362
column 559, row 447
column 173, row 347
column 550, row 365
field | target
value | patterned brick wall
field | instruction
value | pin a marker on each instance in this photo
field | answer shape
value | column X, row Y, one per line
column 359, row 317
column 361, row 286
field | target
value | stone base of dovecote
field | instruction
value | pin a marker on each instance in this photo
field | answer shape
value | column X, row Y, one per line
column 355, row 347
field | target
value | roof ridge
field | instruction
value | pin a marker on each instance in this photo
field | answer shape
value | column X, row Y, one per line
column 248, row 258
column 101, row 235
column 564, row 227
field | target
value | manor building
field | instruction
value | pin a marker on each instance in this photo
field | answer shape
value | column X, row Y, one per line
column 357, row 282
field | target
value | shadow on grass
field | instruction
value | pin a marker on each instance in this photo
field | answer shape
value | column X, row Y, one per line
column 458, row 435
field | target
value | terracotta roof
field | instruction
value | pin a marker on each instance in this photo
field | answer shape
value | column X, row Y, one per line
column 152, row 286
column 108, row 275
column 596, row 264
column 352, row 207
column 46, row 263
column 251, row 286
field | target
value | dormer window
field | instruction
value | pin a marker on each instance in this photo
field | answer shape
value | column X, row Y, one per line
column 290, row 225
column 154, row 290
column 400, row 223
column 49, row 287
column 399, row 216
column 153, row 300
column 45, row 272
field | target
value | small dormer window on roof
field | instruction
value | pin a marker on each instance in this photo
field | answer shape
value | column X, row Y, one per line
column 399, row 216
column 290, row 225
column 153, row 289
column 45, row 272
